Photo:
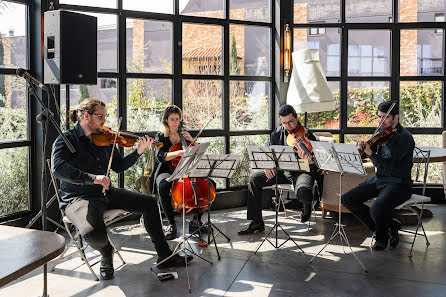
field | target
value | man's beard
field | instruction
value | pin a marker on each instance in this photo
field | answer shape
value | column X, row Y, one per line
column 99, row 129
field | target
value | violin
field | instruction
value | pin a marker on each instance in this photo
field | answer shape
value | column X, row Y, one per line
column 123, row 138
column 379, row 139
column 299, row 139
column 195, row 191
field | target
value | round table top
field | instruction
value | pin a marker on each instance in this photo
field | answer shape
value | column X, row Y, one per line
column 22, row 250
column 438, row 154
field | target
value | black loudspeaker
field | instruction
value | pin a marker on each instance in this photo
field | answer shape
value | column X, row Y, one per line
column 70, row 48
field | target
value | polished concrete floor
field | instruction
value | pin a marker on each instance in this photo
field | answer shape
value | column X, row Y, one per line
column 270, row 272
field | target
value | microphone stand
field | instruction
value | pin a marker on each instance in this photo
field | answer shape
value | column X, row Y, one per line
column 42, row 118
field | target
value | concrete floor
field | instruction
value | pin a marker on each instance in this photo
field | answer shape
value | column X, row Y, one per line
column 270, row 272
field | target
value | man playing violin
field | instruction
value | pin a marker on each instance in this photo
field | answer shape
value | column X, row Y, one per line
column 392, row 183
column 303, row 181
column 83, row 176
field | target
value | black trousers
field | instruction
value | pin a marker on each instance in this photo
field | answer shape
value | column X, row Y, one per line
column 87, row 216
column 303, row 186
column 378, row 217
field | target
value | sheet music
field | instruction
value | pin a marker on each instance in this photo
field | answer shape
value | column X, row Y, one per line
column 189, row 161
column 263, row 158
column 348, row 154
column 223, row 166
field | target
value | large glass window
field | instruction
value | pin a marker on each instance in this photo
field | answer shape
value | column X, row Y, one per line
column 328, row 45
column 231, row 102
column 204, row 8
column 149, row 6
column 420, row 10
column 250, row 10
column 369, row 52
column 15, row 145
column 425, row 55
column 249, row 51
column 368, row 11
column 146, row 100
column 202, row 103
column 13, row 35
column 149, row 46
column 382, row 56
column 421, row 103
column 322, row 11
column 202, row 49
column 363, row 100
column 95, row 3
column 249, row 105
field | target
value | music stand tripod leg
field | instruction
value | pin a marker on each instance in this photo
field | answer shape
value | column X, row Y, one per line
column 277, row 225
column 181, row 246
column 339, row 229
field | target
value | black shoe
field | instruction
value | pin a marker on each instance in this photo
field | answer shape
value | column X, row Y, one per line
column 379, row 245
column 175, row 261
column 170, row 232
column 252, row 228
column 393, row 233
column 195, row 224
column 306, row 213
column 107, row 269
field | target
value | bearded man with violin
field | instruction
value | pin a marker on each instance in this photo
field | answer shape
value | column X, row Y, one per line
column 303, row 181
column 175, row 140
column 83, row 176
column 392, row 183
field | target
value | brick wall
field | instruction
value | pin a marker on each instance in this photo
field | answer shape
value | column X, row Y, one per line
column 8, row 78
column 408, row 47
column 138, row 39
column 198, row 36
column 300, row 16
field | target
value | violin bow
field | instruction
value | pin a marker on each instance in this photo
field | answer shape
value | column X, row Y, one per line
column 112, row 152
column 201, row 131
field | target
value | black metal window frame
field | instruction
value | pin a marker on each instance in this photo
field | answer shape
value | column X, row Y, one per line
column 30, row 136
column 177, row 76
column 394, row 78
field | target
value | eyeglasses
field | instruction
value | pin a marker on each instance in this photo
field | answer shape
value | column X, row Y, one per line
column 100, row 116
column 289, row 122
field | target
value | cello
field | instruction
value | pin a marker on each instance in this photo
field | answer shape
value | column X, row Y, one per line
column 194, row 190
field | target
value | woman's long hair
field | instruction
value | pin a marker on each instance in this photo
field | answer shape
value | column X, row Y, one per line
column 171, row 109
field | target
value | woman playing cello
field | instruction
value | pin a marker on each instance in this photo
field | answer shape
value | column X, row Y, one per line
column 171, row 133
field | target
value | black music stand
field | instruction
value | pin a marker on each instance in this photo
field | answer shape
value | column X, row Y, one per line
column 339, row 157
column 189, row 161
column 277, row 158
column 216, row 166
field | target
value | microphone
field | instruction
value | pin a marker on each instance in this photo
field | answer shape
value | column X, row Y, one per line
column 23, row 73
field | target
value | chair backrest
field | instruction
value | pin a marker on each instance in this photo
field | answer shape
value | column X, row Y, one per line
column 421, row 160
column 55, row 185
